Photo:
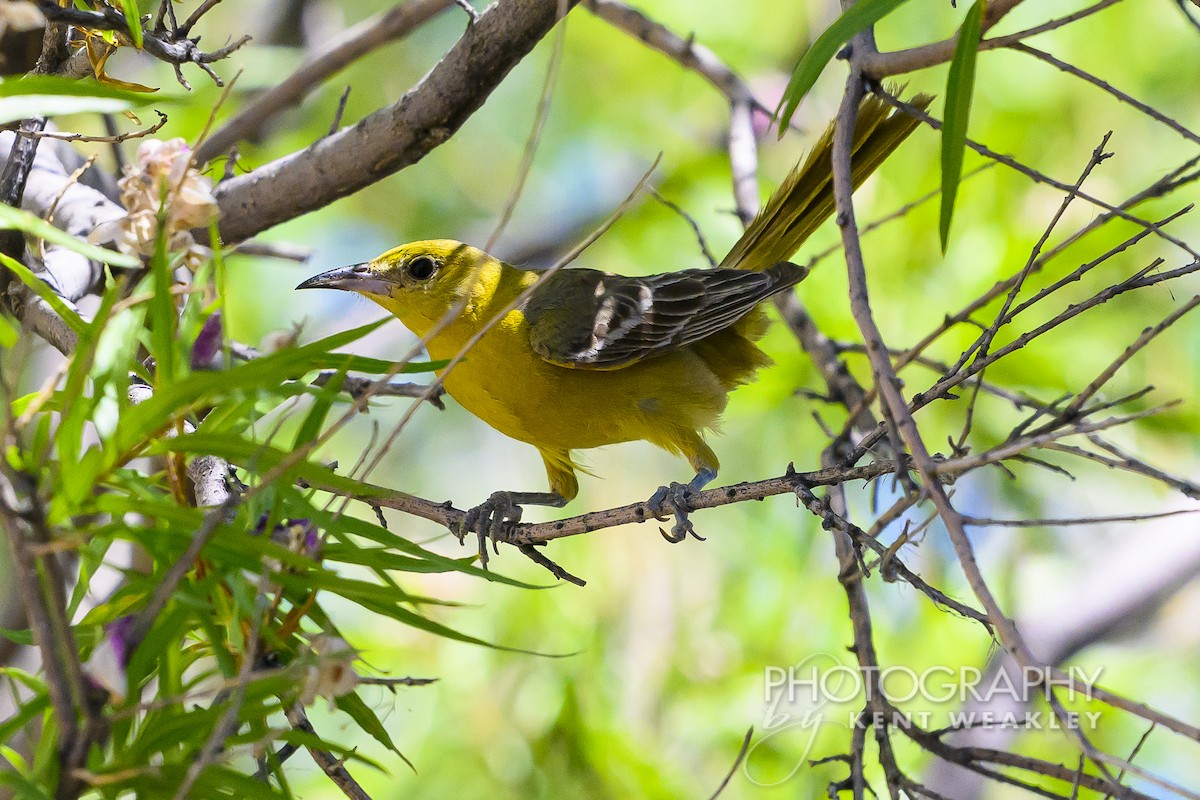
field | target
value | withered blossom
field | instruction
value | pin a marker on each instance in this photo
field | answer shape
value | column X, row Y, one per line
column 332, row 675
column 162, row 177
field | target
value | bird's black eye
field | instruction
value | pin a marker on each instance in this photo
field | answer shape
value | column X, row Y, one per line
column 421, row 268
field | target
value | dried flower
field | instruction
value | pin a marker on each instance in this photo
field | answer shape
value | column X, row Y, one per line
column 333, row 673
column 296, row 534
column 162, row 177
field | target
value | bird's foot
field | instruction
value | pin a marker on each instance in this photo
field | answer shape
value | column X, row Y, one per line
column 677, row 499
column 674, row 499
column 495, row 518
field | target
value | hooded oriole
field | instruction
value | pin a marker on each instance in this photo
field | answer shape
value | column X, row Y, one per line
column 589, row 358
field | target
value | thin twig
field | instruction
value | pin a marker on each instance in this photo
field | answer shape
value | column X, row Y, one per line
column 535, row 133
column 112, row 139
column 737, row 762
column 336, row 122
column 1071, row 69
column 1053, row 522
column 691, row 221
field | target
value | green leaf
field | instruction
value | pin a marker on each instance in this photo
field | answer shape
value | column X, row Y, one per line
column 261, row 457
column 17, row 635
column 14, row 218
column 26, row 679
column 306, row 739
column 22, row 787
column 163, row 317
column 51, row 85
column 377, row 366
column 379, row 599
column 368, row 721
column 342, row 526
column 960, row 86
column 168, row 634
column 310, row 429
column 855, row 19
column 28, row 709
column 218, row 780
column 43, row 290
column 80, row 406
column 134, row 20
column 8, row 332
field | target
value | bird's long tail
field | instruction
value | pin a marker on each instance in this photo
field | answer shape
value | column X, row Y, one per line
column 805, row 198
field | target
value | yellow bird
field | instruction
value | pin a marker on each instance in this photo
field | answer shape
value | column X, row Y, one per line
column 587, row 358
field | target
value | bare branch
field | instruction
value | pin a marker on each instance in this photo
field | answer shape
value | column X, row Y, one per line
column 879, row 65
column 115, row 138
column 329, row 764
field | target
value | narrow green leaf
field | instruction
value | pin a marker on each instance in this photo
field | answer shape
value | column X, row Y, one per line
column 80, row 405
column 261, row 457
column 855, row 19
column 17, row 635
column 26, row 679
column 24, row 715
column 960, row 86
column 311, row 427
column 134, row 20
column 166, row 635
column 218, row 780
column 8, row 332
column 43, row 290
column 377, row 366
column 379, row 600
column 342, row 526
column 15, row 218
column 366, row 719
column 48, row 95
column 306, row 739
column 163, row 317
column 22, row 787
column 52, row 85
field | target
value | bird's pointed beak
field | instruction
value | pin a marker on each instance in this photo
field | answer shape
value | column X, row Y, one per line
column 354, row 278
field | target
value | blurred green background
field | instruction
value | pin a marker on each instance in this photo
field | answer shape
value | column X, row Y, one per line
column 644, row 682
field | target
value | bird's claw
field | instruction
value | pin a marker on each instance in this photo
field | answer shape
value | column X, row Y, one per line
column 494, row 518
column 674, row 499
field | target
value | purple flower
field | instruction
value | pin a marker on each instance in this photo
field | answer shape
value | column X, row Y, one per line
column 118, row 636
column 104, row 672
column 298, row 535
column 208, row 343
column 311, row 540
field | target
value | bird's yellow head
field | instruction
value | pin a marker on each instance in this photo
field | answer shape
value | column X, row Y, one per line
column 418, row 282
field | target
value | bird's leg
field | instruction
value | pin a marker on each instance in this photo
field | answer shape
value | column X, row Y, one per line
column 675, row 499
column 496, row 517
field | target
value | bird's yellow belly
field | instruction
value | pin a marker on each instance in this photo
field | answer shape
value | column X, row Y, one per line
column 509, row 387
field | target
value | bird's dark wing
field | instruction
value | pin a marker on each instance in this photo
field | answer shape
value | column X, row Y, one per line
column 593, row 320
